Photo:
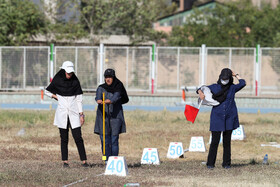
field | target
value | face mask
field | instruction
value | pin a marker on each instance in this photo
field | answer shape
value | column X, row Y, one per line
column 224, row 82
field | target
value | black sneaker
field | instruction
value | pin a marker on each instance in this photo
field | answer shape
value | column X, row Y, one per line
column 227, row 167
column 65, row 165
column 85, row 165
column 210, row 167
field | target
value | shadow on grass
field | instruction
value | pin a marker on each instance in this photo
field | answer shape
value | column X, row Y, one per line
column 251, row 163
column 134, row 165
column 97, row 165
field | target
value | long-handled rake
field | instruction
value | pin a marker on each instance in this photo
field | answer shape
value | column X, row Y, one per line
column 103, row 102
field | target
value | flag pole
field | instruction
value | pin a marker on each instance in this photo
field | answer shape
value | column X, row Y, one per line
column 200, row 104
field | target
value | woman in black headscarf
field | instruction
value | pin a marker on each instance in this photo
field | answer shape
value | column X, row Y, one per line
column 66, row 89
column 115, row 96
column 224, row 116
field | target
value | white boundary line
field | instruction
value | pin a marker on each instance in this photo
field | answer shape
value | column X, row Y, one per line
column 81, row 180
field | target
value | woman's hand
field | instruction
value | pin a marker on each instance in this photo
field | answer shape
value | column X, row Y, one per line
column 82, row 118
column 201, row 95
column 107, row 101
column 235, row 75
column 55, row 97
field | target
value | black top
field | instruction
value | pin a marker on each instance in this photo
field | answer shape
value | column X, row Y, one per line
column 222, row 94
column 63, row 86
column 116, row 86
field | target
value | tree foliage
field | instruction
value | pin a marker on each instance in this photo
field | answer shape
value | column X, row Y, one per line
column 133, row 18
column 20, row 20
column 237, row 24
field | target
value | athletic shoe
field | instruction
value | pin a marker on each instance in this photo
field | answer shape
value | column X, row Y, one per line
column 65, row 165
column 85, row 165
column 227, row 167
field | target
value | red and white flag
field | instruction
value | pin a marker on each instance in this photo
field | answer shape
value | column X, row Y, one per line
column 191, row 112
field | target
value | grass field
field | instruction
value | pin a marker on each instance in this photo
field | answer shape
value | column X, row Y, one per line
column 34, row 158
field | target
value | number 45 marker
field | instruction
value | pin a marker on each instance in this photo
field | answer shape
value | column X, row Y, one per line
column 150, row 156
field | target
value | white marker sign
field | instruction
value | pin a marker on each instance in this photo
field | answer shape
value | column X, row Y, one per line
column 175, row 150
column 238, row 134
column 150, row 156
column 197, row 144
column 116, row 165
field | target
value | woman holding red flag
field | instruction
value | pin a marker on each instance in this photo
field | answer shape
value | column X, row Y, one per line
column 224, row 116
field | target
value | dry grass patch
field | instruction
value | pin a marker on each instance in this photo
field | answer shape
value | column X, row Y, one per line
column 34, row 159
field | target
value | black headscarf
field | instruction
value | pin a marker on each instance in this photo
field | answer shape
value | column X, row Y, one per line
column 63, row 86
column 116, row 86
column 221, row 96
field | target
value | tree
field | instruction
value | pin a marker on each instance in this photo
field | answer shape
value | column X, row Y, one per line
column 133, row 18
column 165, row 7
column 19, row 21
column 222, row 26
column 120, row 17
column 266, row 27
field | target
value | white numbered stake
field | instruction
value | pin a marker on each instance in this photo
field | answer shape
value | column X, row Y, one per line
column 238, row 134
column 197, row 144
column 175, row 150
column 116, row 165
column 150, row 156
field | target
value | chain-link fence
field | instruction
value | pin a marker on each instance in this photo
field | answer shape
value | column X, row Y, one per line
column 23, row 68
column 86, row 62
column 132, row 66
column 270, row 71
column 177, row 67
column 28, row 68
column 240, row 60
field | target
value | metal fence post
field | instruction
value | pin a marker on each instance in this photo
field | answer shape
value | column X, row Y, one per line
column 153, row 68
column 203, row 63
column 48, row 73
column 101, row 62
column 76, row 60
column 0, row 67
column 156, row 69
column 230, row 56
column 24, row 67
column 257, row 70
column 178, row 68
column 51, row 70
column 126, row 76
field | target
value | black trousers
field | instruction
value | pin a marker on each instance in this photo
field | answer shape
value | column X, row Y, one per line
column 77, row 135
column 216, row 135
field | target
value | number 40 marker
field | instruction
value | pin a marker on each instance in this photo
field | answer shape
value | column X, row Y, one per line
column 116, row 165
